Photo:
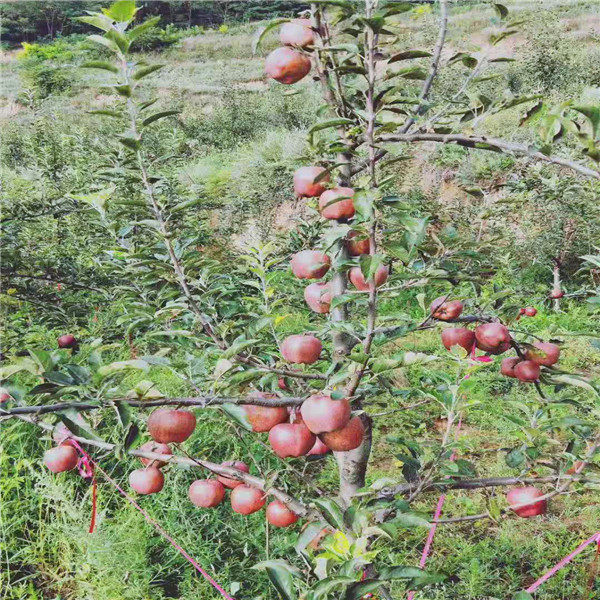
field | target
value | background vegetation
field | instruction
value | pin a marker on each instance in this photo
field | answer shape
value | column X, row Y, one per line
column 232, row 151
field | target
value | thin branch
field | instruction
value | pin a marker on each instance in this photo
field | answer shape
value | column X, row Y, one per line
column 53, row 280
column 483, row 483
column 568, row 481
column 197, row 402
column 494, row 144
column 294, row 504
column 371, row 110
column 433, row 70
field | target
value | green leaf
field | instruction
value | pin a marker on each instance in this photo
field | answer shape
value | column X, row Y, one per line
column 531, row 112
column 123, row 90
column 409, row 520
column 130, row 141
column 593, row 115
column 171, row 333
column 123, row 413
column 331, row 511
column 515, row 458
column 21, row 364
column 495, row 39
column 400, row 572
column 136, row 31
column 327, row 125
column 238, row 414
column 143, row 71
column 119, row 39
column 98, row 39
column 237, row 347
column 105, row 113
column 414, row 73
column 358, row 590
column 282, row 576
column 100, row 64
column 408, row 54
column 160, row 115
column 97, row 20
column 59, row 378
column 576, row 381
column 76, row 425
column 124, row 365
column 523, row 595
column 501, row 11
column 260, row 34
column 329, row 585
column 307, row 536
column 133, row 434
column 121, row 11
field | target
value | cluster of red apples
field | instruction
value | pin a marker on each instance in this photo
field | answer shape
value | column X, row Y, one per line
column 290, row 63
column 494, row 338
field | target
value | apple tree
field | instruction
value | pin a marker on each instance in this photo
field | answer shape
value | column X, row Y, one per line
column 312, row 393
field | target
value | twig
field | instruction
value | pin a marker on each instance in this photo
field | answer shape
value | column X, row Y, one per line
column 435, row 62
column 295, row 505
column 494, row 144
column 197, row 402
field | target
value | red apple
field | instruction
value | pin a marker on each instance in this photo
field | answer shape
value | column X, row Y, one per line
column 67, row 341
column 318, row 449
column 4, row 395
column 310, row 264
column 530, row 311
column 264, row 418
column 233, row 483
column 206, row 493
column 359, row 246
column 556, row 294
column 347, row 438
column 337, row 203
column 171, row 425
column 247, row 500
column 527, row 370
column 305, row 185
column 360, row 283
column 282, row 384
column 493, row 338
column 524, row 495
column 152, row 446
column 507, row 366
column 458, row 336
column 446, row 310
column 297, row 32
column 61, row 458
column 147, row 481
column 301, row 349
column 318, row 297
column 545, row 353
column 321, row 413
column 291, row 439
column 287, row 65
column 280, row 515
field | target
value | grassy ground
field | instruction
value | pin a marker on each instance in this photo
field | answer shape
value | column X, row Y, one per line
column 240, row 139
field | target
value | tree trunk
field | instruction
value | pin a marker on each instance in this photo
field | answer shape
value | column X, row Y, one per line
column 352, row 465
column 556, row 285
